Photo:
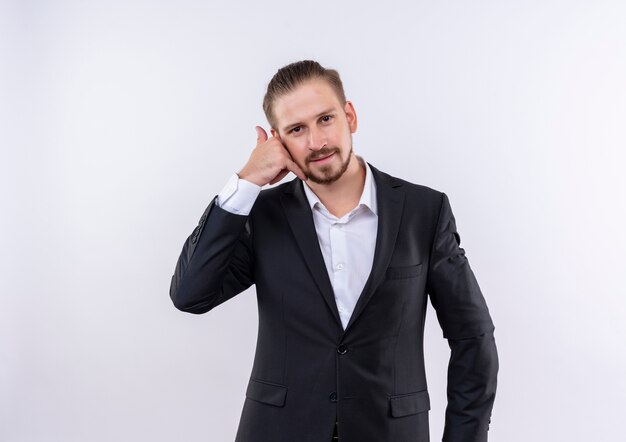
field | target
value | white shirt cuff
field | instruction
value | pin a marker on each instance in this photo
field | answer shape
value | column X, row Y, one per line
column 238, row 196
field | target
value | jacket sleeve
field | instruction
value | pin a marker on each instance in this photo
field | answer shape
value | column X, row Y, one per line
column 215, row 263
column 466, row 323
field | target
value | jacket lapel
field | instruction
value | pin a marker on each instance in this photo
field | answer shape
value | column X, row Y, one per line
column 300, row 220
column 390, row 201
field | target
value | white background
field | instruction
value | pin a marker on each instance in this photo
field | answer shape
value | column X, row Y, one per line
column 120, row 120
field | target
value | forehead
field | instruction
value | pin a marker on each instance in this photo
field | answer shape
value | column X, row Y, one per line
column 306, row 101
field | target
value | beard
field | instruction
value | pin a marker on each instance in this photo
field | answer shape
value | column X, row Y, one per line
column 327, row 173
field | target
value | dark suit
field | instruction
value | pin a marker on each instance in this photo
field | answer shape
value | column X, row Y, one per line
column 309, row 371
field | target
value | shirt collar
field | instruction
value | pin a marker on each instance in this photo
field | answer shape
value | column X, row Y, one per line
column 368, row 196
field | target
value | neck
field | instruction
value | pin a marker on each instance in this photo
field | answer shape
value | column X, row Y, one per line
column 343, row 195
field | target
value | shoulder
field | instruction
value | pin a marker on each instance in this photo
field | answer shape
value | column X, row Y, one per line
column 269, row 200
column 275, row 192
column 413, row 191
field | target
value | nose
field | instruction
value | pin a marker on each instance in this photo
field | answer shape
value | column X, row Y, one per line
column 317, row 139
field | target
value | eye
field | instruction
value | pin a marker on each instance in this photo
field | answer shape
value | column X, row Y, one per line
column 326, row 118
column 296, row 129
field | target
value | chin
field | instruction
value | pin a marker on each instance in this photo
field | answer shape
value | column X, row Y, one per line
column 330, row 172
column 327, row 178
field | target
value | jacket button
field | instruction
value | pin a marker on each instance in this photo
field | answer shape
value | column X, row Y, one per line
column 342, row 349
column 333, row 397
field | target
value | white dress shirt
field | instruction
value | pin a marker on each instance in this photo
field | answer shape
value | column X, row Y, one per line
column 347, row 243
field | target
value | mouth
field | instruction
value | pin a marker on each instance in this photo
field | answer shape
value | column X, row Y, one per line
column 323, row 159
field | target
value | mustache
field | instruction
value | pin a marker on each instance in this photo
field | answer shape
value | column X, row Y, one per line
column 323, row 152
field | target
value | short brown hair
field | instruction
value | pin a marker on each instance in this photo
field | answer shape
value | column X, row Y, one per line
column 289, row 77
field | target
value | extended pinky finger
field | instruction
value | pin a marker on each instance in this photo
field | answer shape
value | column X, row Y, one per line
column 296, row 170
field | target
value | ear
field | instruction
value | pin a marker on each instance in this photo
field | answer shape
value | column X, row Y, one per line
column 350, row 116
column 273, row 132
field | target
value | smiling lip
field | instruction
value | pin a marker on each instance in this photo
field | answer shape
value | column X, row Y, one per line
column 322, row 159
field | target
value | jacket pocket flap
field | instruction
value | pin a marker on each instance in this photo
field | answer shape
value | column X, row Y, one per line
column 411, row 403
column 403, row 272
column 272, row 394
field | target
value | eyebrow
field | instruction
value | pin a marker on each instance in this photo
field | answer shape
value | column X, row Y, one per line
column 291, row 126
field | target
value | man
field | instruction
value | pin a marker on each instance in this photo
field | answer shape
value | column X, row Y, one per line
column 343, row 258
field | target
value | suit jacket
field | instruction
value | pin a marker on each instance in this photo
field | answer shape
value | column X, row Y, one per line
column 308, row 371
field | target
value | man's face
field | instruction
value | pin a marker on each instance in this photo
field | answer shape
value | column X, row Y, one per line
column 316, row 129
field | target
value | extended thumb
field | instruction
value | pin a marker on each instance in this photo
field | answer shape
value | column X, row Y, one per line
column 261, row 135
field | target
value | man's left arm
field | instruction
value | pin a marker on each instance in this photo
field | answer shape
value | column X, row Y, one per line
column 466, row 323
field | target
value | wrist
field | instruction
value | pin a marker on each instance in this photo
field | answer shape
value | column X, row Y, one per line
column 248, row 177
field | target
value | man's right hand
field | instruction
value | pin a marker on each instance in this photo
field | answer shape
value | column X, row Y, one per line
column 269, row 162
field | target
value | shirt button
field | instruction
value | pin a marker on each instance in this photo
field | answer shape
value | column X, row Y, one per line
column 339, row 266
column 333, row 397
